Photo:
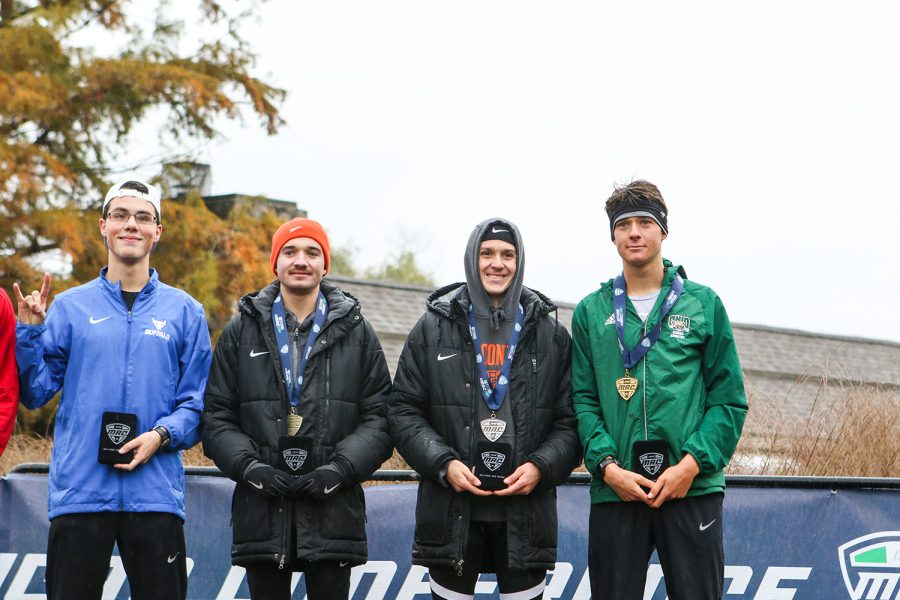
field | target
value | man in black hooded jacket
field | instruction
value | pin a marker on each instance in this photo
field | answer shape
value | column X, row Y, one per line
column 481, row 408
column 294, row 414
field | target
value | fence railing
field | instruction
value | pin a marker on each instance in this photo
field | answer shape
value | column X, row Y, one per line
column 584, row 478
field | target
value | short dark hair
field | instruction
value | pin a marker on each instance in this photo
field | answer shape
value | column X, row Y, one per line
column 634, row 192
column 138, row 187
column 134, row 185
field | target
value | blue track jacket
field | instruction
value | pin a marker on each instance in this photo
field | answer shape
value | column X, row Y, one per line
column 152, row 362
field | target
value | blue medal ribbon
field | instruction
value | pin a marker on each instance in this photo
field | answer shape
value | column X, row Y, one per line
column 494, row 396
column 284, row 346
column 633, row 356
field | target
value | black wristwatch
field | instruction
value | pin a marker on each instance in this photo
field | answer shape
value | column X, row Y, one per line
column 164, row 435
column 601, row 468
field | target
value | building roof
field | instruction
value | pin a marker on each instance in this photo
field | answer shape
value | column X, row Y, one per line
column 788, row 352
column 223, row 204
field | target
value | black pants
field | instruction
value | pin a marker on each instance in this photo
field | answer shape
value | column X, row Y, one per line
column 686, row 533
column 486, row 552
column 151, row 546
column 325, row 580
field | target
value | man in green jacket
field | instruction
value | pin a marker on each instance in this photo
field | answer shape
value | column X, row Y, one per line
column 659, row 397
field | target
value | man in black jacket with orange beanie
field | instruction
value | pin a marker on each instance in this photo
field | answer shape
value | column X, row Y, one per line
column 295, row 415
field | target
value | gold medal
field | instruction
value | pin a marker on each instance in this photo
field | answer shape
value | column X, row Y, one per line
column 626, row 385
column 294, row 421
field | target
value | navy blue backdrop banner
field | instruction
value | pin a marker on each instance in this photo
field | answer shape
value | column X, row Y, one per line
column 785, row 539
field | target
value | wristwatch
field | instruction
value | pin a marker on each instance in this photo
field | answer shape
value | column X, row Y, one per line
column 601, row 468
column 164, row 435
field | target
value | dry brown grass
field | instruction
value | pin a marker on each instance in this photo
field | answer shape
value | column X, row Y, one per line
column 395, row 462
column 853, row 430
column 25, row 448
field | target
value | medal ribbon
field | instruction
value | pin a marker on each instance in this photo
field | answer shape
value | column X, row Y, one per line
column 633, row 356
column 494, row 396
column 284, row 346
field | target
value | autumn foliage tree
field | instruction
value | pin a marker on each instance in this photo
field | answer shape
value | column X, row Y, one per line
column 66, row 114
column 68, row 111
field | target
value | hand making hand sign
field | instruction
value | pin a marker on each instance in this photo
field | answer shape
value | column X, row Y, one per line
column 33, row 307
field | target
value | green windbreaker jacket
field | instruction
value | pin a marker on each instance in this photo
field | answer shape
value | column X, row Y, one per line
column 690, row 391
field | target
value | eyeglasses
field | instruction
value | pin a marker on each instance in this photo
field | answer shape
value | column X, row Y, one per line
column 122, row 216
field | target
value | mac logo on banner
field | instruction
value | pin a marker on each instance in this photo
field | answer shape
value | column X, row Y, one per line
column 871, row 566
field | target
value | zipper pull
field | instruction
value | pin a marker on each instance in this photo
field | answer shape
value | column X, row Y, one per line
column 533, row 364
column 459, row 566
column 281, row 563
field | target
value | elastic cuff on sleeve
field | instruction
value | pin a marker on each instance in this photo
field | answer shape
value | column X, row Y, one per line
column 343, row 467
column 253, row 465
column 442, row 474
column 546, row 481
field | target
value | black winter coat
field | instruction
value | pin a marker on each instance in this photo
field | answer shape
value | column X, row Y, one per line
column 346, row 385
column 432, row 418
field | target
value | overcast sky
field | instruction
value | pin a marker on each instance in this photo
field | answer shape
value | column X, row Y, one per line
column 771, row 128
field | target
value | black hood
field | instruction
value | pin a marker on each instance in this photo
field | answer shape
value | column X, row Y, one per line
column 479, row 298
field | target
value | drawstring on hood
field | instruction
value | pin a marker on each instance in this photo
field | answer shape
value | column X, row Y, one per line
column 481, row 302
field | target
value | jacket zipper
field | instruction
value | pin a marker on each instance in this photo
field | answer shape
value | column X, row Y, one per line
column 273, row 349
column 293, row 352
column 459, row 567
column 125, row 394
column 287, row 523
column 533, row 424
column 273, row 352
column 644, row 387
column 127, row 358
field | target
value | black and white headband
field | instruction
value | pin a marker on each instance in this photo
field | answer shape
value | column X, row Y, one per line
column 638, row 208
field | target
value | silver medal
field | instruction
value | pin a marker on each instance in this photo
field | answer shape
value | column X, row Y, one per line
column 493, row 428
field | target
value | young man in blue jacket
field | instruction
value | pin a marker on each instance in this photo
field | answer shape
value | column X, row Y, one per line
column 131, row 355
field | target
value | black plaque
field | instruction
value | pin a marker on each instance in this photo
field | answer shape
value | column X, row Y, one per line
column 493, row 464
column 116, row 429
